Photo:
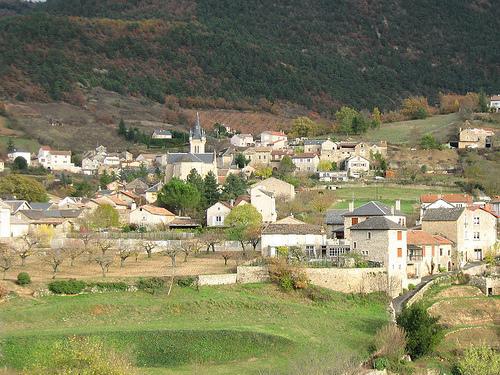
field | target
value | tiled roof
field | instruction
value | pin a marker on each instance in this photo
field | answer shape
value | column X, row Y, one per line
column 442, row 240
column 443, row 214
column 419, row 237
column 377, row 223
column 180, row 222
column 281, row 134
column 156, row 210
column 495, row 97
column 372, row 208
column 65, row 153
column 450, row 198
column 335, row 216
column 305, row 155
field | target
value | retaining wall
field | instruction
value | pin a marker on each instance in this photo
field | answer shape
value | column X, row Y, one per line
column 222, row 279
column 349, row 280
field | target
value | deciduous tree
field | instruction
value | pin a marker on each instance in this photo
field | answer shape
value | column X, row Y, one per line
column 241, row 221
column 23, row 188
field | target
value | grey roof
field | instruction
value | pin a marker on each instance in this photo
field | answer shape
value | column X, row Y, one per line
column 292, row 229
column 162, row 132
column 207, row 158
column 14, row 204
column 53, row 214
column 40, row 205
column 443, row 214
column 377, row 223
column 372, row 208
column 136, row 184
column 155, row 188
column 314, row 142
column 335, row 216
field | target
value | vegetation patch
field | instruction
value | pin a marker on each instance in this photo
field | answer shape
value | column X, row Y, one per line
column 165, row 348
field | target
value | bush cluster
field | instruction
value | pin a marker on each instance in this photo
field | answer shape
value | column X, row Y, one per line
column 118, row 286
column 151, row 284
column 67, row 286
column 288, row 277
column 186, row 281
column 23, row 278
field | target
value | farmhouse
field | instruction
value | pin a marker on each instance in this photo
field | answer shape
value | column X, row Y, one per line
column 427, row 253
column 151, row 216
column 242, row 140
column 495, row 103
column 217, row 213
column 475, row 138
column 56, row 160
column 357, row 166
column 273, row 139
column 161, row 134
column 280, row 189
column 306, row 162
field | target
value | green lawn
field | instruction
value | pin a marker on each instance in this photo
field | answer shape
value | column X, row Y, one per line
column 20, row 143
column 409, row 195
column 405, row 131
column 242, row 329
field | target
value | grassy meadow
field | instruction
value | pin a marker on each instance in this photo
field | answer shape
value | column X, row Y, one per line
column 243, row 329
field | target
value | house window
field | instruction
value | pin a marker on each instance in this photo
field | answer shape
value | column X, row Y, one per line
column 354, row 245
column 400, row 252
column 369, row 235
column 400, row 235
column 440, row 252
column 354, row 220
column 449, row 252
column 476, row 220
column 310, row 251
column 218, row 219
column 476, row 236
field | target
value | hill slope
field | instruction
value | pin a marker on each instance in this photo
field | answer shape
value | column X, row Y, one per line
column 317, row 53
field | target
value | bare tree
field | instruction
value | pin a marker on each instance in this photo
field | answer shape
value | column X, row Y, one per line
column 212, row 238
column 103, row 245
column 73, row 248
column 124, row 252
column 86, row 237
column 189, row 247
column 54, row 257
column 104, row 261
column 226, row 255
column 148, row 247
column 27, row 246
column 6, row 258
column 172, row 253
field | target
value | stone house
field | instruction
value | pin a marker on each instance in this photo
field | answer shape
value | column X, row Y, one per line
column 281, row 189
column 443, row 201
column 305, row 162
column 56, row 160
column 151, row 216
column 258, row 156
column 334, row 220
column 427, row 253
column 475, row 138
column 383, row 241
column 371, row 209
column 265, row 203
column 473, row 230
column 273, row 139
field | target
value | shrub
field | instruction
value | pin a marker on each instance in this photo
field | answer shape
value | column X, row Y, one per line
column 380, row 363
column 316, row 294
column 390, row 342
column 185, row 282
column 411, row 286
column 462, row 278
column 67, row 286
column 151, row 284
column 288, row 277
column 478, row 360
column 23, row 278
column 108, row 286
column 4, row 292
column 422, row 330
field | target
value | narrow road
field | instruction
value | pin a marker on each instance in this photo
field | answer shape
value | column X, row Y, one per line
column 400, row 301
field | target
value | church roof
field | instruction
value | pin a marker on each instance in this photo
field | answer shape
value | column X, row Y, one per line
column 197, row 132
column 207, row 158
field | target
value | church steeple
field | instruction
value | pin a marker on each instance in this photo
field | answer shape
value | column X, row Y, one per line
column 197, row 138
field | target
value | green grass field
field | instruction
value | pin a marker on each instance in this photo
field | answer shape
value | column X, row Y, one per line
column 20, row 143
column 242, row 329
column 404, row 132
column 409, row 195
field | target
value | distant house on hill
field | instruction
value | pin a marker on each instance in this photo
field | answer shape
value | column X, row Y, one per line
column 161, row 134
column 242, row 140
column 475, row 138
column 495, row 103
column 279, row 188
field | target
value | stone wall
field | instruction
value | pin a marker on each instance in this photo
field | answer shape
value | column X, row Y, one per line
column 252, row 274
column 349, row 280
column 228, row 278
column 488, row 285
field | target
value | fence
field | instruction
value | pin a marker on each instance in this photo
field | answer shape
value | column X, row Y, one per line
column 150, row 236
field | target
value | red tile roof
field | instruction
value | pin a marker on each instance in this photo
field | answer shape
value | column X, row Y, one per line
column 442, row 240
column 450, row 198
column 419, row 237
column 157, row 210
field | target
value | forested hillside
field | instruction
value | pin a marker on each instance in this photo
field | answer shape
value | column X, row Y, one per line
column 237, row 53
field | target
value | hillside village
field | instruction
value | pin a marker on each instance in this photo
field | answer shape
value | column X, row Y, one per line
column 164, row 211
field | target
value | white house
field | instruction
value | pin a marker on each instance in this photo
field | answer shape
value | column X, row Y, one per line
column 55, row 160
column 217, row 213
column 264, row 202
column 273, row 139
column 429, row 201
column 23, row 154
column 495, row 103
column 357, row 166
column 290, row 232
column 161, row 134
column 242, row 140
column 281, row 189
column 151, row 216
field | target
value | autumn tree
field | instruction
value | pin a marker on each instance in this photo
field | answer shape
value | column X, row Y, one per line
column 325, row 166
column 264, row 171
column 415, row 107
column 241, row 221
column 303, row 127
column 376, row 118
column 23, row 188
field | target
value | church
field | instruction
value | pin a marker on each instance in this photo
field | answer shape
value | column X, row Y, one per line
column 180, row 164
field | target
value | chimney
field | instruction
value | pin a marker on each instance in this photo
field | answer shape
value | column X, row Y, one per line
column 351, row 206
column 398, row 204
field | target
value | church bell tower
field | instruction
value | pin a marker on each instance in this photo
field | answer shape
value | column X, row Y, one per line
column 197, row 138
